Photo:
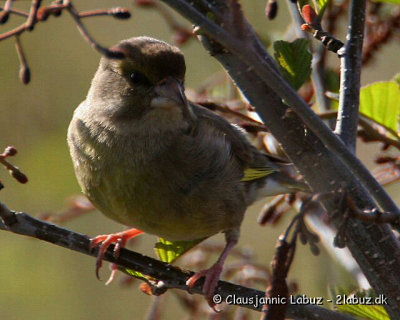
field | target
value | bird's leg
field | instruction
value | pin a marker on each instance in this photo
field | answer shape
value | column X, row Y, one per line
column 104, row 241
column 212, row 275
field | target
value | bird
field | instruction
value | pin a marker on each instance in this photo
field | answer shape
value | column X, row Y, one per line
column 152, row 160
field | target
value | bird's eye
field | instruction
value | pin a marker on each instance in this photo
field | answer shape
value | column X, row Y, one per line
column 139, row 78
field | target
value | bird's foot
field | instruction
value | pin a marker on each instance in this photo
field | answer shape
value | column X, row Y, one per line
column 212, row 277
column 104, row 241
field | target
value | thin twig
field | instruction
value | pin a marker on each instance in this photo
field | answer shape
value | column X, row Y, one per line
column 318, row 62
column 369, row 133
column 371, row 215
column 16, row 173
column 14, row 32
column 349, row 101
column 32, row 14
column 117, row 12
column 17, row 12
column 87, row 36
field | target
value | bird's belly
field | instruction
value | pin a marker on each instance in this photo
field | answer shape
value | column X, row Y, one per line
column 147, row 188
column 152, row 207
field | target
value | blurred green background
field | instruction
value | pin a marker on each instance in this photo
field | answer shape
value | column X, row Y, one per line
column 41, row 281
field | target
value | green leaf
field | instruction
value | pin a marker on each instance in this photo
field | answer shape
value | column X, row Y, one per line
column 136, row 274
column 380, row 102
column 370, row 312
column 389, row 1
column 294, row 60
column 169, row 251
column 322, row 6
column 342, row 295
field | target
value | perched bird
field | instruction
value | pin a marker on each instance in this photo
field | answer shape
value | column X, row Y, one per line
column 148, row 158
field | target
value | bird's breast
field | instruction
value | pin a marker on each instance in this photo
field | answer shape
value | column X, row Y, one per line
column 164, row 185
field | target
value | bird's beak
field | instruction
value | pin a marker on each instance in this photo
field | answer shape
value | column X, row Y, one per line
column 169, row 93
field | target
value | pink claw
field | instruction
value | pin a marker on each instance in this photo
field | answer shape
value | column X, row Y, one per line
column 104, row 241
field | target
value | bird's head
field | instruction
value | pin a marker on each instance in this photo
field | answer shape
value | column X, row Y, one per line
column 149, row 81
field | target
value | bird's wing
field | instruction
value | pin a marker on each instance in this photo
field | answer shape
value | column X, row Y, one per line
column 256, row 164
column 240, row 146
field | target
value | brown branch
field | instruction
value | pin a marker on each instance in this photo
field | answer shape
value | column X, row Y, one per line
column 14, row 32
column 13, row 11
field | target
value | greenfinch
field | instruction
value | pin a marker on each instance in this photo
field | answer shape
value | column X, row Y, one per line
column 148, row 158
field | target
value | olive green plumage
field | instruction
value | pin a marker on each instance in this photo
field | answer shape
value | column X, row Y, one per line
column 148, row 158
